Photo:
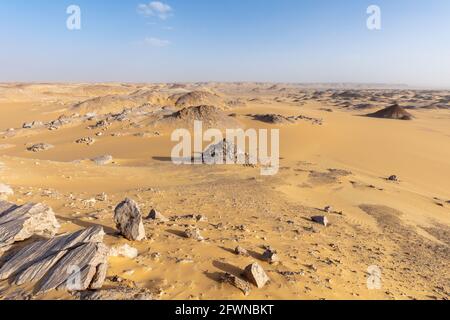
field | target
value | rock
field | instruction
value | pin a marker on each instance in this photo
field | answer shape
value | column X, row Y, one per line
column 128, row 219
column 222, row 153
column 242, row 285
column 102, row 160
column 72, row 262
column 271, row 256
column 193, row 234
column 241, row 251
column 117, row 294
column 18, row 223
column 32, row 125
column 101, row 197
column 328, row 209
column 124, row 251
column 40, row 147
column 155, row 215
column 320, row 220
column 256, row 275
column 5, row 191
column 393, row 178
column 86, row 140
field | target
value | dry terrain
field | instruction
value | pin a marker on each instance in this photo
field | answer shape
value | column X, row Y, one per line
column 336, row 159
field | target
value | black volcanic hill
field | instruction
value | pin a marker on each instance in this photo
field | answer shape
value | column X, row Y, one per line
column 392, row 112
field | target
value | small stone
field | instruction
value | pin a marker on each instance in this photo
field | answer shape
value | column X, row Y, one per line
column 102, row 160
column 242, row 285
column 256, row 275
column 193, row 234
column 241, row 251
column 320, row 220
column 101, row 197
column 86, row 140
column 393, row 178
column 128, row 219
column 125, row 251
column 155, row 215
column 271, row 256
column 40, row 147
column 328, row 209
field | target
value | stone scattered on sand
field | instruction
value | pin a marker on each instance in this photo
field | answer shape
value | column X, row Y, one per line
column 122, row 293
column 393, row 178
column 242, row 285
column 271, row 256
column 125, row 251
column 128, row 219
column 193, row 234
column 328, row 209
column 320, row 220
column 86, row 140
column 40, row 147
column 5, row 191
column 101, row 197
column 72, row 262
column 256, row 275
column 241, row 251
column 157, row 216
column 18, row 223
column 32, row 125
column 102, row 160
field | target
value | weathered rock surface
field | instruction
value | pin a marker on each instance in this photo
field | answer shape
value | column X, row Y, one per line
column 18, row 223
column 256, row 275
column 118, row 294
column 242, row 285
column 72, row 262
column 222, row 153
column 128, row 219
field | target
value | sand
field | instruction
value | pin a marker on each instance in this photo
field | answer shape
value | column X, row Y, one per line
column 402, row 227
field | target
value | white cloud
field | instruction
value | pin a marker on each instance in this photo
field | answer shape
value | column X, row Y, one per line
column 156, row 8
column 155, row 42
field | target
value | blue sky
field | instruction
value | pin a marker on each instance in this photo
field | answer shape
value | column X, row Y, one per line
column 226, row 40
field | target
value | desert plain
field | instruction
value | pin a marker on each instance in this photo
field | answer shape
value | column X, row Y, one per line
column 382, row 180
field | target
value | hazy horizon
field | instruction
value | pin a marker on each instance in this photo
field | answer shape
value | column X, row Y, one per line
column 286, row 41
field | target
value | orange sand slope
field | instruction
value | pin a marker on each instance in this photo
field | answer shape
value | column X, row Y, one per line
column 333, row 155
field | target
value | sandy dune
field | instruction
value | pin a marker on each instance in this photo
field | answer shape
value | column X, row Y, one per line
column 333, row 155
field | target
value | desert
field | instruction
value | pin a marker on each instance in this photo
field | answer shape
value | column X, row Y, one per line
column 359, row 208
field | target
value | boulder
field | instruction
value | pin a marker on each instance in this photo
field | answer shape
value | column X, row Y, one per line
column 72, row 262
column 128, row 219
column 256, row 275
column 18, row 223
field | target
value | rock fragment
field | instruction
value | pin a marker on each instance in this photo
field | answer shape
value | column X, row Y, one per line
column 193, row 234
column 18, row 223
column 256, row 275
column 102, row 160
column 242, row 285
column 320, row 220
column 271, row 256
column 40, row 147
column 157, row 216
column 5, row 191
column 241, row 251
column 128, row 219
